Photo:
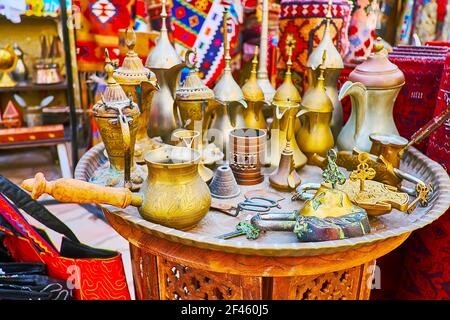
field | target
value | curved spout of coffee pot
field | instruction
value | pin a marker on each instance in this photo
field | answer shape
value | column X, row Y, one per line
column 358, row 95
column 302, row 112
column 211, row 106
column 77, row 191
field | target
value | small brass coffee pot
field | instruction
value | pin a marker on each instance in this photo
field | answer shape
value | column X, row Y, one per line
column 286, row 102
column 254, row 96
column 116, row 116
column 140, row 83
column 333, row 65
column 373, row 87
column 229, row 115
column 164, row 61
column 173, row 195
column 315, row 135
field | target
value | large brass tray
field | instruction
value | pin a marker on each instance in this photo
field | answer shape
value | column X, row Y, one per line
column 395, row 224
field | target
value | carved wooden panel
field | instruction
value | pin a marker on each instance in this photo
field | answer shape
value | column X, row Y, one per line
column 348, row 284
column 178, row 282
column 145, row 274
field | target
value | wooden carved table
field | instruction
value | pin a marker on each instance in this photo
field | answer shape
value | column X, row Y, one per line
column 194, row 264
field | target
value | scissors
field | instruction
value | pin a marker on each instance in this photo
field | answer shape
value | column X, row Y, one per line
column 257, row 204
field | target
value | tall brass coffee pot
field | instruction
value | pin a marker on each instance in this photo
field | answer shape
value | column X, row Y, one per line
column 254, row 96
column 285, row 102
column 373, row 87
column 230, row 114
column 140, row 83
column 164, row 61
column 173, row 195
column 116, row 116
column 314, row 135
column 333, row 66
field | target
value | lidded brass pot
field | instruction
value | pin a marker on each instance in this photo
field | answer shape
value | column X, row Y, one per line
column 285, row 101
column 314, row 135
column 140, row 83
column 173, row 195
column 333, row 65
column 229, row 115
column 254, row 96
column 116, row 116
column 373, row 87
column 164, row 61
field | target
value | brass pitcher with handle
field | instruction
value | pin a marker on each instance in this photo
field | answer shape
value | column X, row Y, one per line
column 164, row 61
column 315, row 135
column 116, row 116
column 140, row 83
column 373, row 87
column 174, row 194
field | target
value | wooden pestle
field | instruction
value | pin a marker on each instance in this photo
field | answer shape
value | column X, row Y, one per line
column 77, row 191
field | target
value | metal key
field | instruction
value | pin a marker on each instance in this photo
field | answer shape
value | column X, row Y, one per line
column 243, row 228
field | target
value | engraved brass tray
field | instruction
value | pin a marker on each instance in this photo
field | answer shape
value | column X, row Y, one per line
column 274, row 243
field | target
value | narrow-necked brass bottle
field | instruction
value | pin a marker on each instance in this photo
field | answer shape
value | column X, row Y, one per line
column 254, row 96
column 286, row 99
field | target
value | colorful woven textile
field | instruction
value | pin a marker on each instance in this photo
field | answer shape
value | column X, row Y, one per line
column 100, row 22
column 303, row 20
column 198, row 24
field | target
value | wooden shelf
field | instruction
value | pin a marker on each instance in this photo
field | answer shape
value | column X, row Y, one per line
column 34, row 87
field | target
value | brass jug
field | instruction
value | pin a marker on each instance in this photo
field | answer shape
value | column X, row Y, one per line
column 285, row 101
column 140, row 83
column 254, row 96
column 333, row 66
column 229, row 114
column 373, row 87
column 174, row 195
column 315, row 135
column 164, row 61
column 116, row 116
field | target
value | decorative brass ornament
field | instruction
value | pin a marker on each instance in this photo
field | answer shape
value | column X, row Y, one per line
column 333, row 66
column 164, row 61
column 8, row 61
column 229, row 115
column 373, row 87
column 286, row 102
column 116, row 116
column 315, row 135
column 254, row 96
column 375, row 197
column 174, row 194
column 140, row 83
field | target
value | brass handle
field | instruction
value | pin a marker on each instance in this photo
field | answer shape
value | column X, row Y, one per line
column 77, row 191
column 124, row 126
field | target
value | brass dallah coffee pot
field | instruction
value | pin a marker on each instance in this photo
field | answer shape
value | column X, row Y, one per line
column 333, row 66
column 229, row 115
column 116, row 116
column 254, row 96
column 314, row 135
column 285, row 102
column 173, row 195
column 140, row 83
column 262, row 77
column 373, row 87
column 164, row 61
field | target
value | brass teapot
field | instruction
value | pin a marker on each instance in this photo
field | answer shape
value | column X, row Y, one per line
column 140, row 83
column 373, row 87
column 164, row 61
column 116, row 116
column 315, row 135
column 174, row 195
column 333, row 66
column 254, row 96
